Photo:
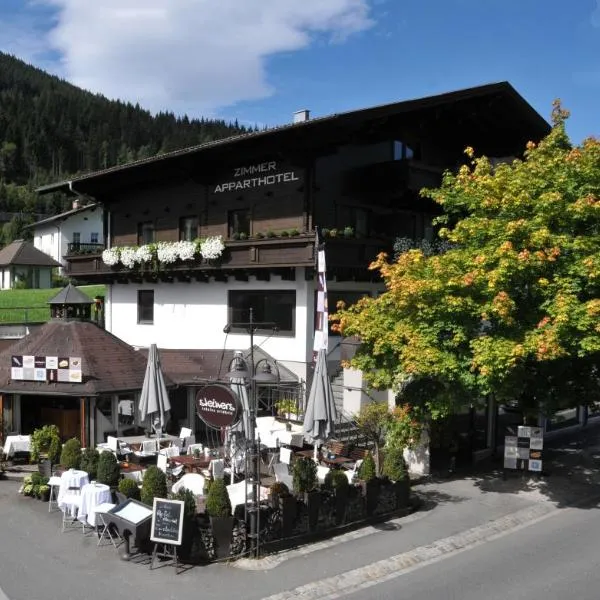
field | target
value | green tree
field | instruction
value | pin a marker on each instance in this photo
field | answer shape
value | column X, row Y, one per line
column 512, row 308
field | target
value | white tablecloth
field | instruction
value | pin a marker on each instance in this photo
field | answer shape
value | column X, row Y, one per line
column 70, row 478
column 16, row 443
column 92, row 495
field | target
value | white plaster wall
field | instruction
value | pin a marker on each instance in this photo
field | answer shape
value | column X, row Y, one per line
column 192, row 316
column 6, row 282
column 47, row 239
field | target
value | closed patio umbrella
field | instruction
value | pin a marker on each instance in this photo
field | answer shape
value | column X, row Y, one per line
column 320, row 415
column 154, row 399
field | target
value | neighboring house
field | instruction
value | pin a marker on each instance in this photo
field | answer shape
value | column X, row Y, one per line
column 20, row 261
column 356, row 174
column 79, row 230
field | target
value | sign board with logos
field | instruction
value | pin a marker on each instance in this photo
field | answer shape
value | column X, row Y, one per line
column 51, row 369
column 218, row 406
column 523, row 452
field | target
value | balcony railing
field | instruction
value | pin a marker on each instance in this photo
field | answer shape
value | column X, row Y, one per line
column 238, row 255
column 80, row 248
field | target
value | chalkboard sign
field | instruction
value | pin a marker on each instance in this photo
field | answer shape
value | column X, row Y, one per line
column 167, row 521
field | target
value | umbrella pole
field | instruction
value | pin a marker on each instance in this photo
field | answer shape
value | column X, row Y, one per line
column 316, row 451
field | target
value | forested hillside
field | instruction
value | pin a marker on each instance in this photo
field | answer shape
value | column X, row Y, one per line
column 50, row 129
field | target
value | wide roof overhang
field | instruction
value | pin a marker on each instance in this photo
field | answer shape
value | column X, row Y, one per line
column 491, row 118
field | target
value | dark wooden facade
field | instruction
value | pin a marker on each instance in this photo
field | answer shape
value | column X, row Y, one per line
column 359, row 171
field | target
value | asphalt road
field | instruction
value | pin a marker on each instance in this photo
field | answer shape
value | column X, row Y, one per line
column 556, row 559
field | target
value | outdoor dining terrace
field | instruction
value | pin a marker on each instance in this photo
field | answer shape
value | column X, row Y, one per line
column 301, row 495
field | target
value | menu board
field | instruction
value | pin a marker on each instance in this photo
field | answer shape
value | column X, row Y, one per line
column 52, row 369
column 167, row 521
column 524, row 451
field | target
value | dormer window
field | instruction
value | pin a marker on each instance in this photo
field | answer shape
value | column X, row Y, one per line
column 145, row 233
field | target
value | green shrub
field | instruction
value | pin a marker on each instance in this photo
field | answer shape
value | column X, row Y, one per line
column 279, row 488
column 294, row 231
column 217, row 502
column 89, row 462
column 304, row 475
column 109, row 471
column 43, row 490
column 189, row 502
column 367, row 471
column 394, row 466
column 70, row 457
column 129, row 488
column 348, row 232
column 45, row 440
column 154, row 485
column 285, row 233
column 336, row 480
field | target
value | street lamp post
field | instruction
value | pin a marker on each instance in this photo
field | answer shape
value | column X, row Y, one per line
column 240, row 370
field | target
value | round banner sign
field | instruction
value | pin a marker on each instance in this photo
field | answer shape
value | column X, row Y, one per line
column 218, row 406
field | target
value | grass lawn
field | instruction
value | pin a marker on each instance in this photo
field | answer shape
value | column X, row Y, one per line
column 31, row 306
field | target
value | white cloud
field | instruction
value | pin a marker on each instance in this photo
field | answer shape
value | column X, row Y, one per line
column 191, row 56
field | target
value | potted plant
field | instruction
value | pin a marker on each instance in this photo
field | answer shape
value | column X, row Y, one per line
column 196, row 453
column 154, row 485
column 89, row 462
column 367, row 474
column 337, row 481
column 191, row 533
column 394, row 468
column 109, row 471
column 70, row 457
column 305, row 483
column 218, row 507
column 348, row 232
column 129, row 488
column 45, row 442
column 282, row 500
column 287, row 408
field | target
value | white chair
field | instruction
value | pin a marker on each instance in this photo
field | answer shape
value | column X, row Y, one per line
column 217, row 468
column 322, row 473
column 113, row 444
column 190, row 481
column 185, row 433
column 150, row 446
column 162, row 462
column 352, row 473
column 297, row 440
column 170, row 452
column 189, row 441
column 285, row 455
column 192, row 447
column 282, row 474
column 106, row 533
column 70, row 503
column 54, row 484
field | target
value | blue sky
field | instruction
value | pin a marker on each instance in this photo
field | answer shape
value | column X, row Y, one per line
column 259, row 60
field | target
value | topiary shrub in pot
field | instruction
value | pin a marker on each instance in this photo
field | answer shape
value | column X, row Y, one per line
column 367, row 473
column 109, row 471
column 89, row 462
column 70, row 457
column 283, row 501
column 337, row 481
column 218, row 507
column 154, row 485
column 129, row 488
column 305, row 483
column 395, row 469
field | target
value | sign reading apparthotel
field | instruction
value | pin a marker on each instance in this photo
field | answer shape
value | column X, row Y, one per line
column 218, row 406
column 253, row 176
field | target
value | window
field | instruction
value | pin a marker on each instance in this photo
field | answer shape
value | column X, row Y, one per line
column 93, row 238
column 239, row 222
column 269, row 306
column 188, row 229
column 145, row 306
column 333, row 297
column 402, row 151
column 145, row 233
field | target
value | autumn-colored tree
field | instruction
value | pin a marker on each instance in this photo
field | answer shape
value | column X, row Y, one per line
column 513, row 307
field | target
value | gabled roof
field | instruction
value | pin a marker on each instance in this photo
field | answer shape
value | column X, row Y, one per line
column 63, row 216
column 70, row 295
column 514, row 105
column 22, row 253
column 109, row 365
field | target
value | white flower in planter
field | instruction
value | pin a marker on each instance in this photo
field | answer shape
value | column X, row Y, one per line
column 186, row 250
column 110, row 256
column 212, row 247
column 143, row 254
column 166, row 253
column 128, row 257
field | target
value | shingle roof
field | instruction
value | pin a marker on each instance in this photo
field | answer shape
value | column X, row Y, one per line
column 21, row 252
column 109, row 365
column 70, row 295
column 192, row 367
column 63, row 216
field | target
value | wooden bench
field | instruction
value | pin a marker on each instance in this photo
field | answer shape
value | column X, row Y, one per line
column 358, row 453
column 338, row 448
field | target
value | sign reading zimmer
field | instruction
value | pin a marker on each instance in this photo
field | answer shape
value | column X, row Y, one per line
column 259, row 175
column 218, row 406
column 53, row 369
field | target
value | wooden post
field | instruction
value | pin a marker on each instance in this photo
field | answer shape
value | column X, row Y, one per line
column 2, row 424
column 82, row 422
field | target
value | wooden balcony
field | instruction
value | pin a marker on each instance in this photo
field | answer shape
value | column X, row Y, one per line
column 239, row 257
